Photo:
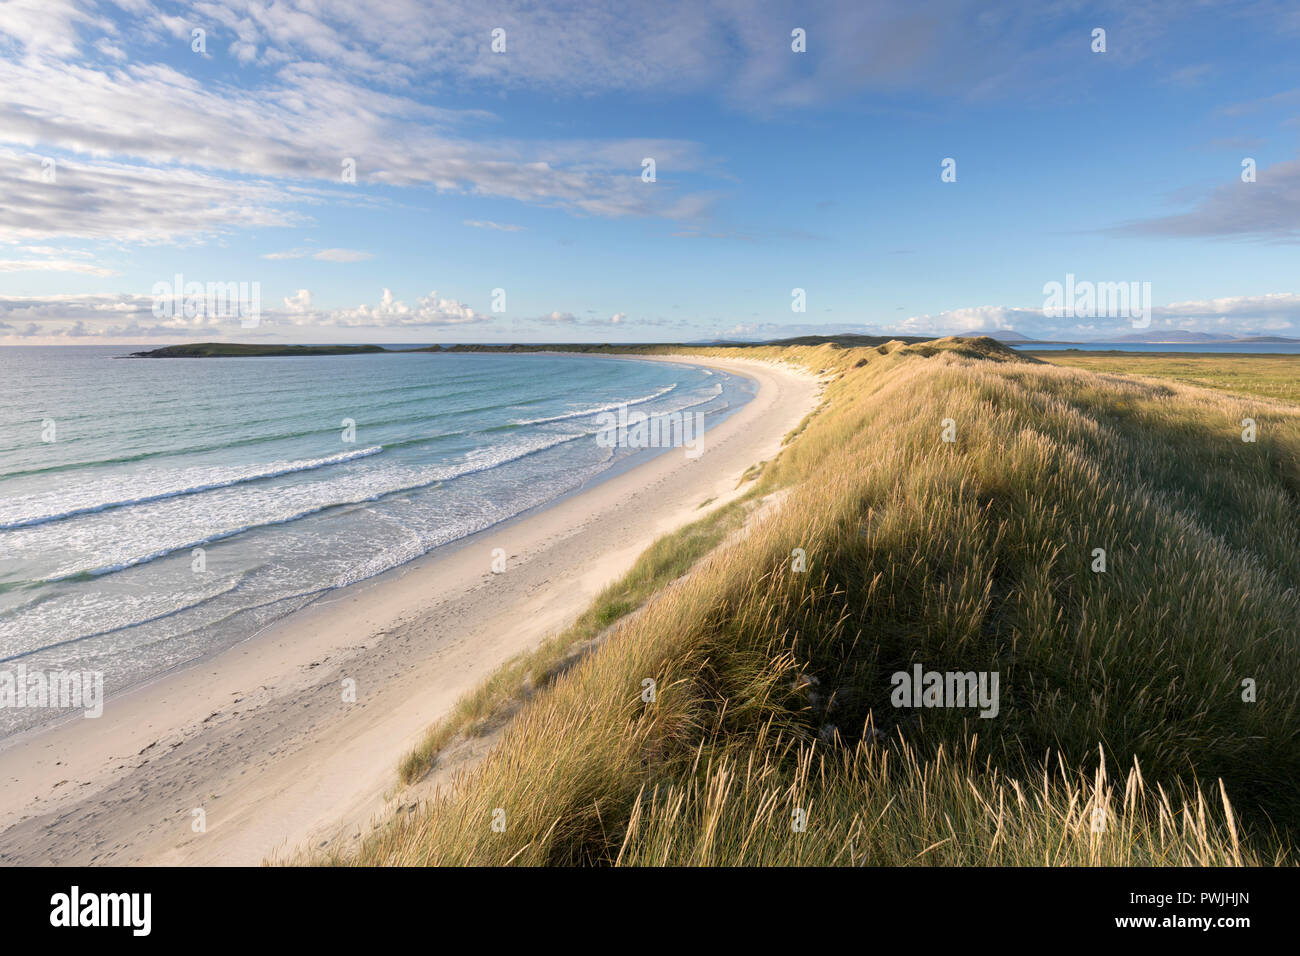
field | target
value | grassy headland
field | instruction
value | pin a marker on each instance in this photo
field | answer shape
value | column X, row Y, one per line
column 235, row 350
column 1149, row 713
column 1269, row 375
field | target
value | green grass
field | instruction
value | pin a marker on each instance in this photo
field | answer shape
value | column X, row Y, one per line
column 1120, row 690
column 1270, row 376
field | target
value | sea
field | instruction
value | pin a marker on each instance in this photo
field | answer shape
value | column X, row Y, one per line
column 154, row 511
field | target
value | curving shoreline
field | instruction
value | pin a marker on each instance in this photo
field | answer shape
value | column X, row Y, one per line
column 259, row 738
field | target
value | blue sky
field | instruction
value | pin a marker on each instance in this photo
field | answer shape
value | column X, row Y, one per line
column 521, row 170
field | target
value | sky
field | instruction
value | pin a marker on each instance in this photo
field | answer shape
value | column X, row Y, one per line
column 471, row 171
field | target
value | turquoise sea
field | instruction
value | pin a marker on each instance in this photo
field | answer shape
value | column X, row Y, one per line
column 156, row 510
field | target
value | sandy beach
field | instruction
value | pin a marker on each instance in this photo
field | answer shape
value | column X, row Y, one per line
column 258, row 744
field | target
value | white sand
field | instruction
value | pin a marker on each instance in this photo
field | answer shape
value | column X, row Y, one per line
column 259, row 738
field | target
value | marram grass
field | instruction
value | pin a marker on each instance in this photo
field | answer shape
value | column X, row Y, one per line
column 1149, row 713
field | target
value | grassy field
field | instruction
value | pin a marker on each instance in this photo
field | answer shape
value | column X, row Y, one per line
column 1148, row 711
column 1270, row 376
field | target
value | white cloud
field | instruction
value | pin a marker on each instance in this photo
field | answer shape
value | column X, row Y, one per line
column 126, row 315
column 107, row 200
column 57, row 252
column 343, row 255
column 289, row 128
column 985, row 318
column 326, row 74
column 299, row 303
column 335, row 73
column 429, row 310
column 98, row 306
column 47, row 26
column 728, row 49
column 1278, row 312
column 1273, row 314
column 323, row 255
column 1267, row 209
column 53, row 265
column 568, row 319
column 488, row 224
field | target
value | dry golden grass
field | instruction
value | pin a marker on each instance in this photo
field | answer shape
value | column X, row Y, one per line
column 1274, row 376
column 772, row 686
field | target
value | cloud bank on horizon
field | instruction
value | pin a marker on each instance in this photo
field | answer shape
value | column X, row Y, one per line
column 675, row 171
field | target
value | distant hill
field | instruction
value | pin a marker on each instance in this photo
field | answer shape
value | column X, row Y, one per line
column 1177, row 335
column 1006, row 335
column 1183, row 337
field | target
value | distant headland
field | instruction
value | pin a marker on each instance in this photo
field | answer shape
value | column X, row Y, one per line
column 232, row 350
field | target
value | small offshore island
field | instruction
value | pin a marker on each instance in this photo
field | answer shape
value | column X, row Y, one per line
column 234, row 350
